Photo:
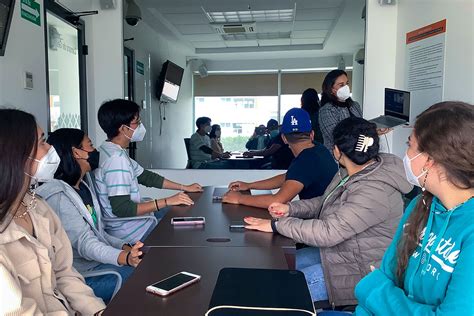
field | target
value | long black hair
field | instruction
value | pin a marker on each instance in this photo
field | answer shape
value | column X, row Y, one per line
column 18, row 141
column 63, row 140
column 214, row 128
column 346, row 135
column 327, row 96
column 310, row 101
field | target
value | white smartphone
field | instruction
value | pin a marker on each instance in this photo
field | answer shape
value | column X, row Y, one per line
column 197, row 220
column 173, row 283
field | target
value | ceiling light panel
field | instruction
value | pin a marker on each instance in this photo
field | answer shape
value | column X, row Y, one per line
column 284, row 15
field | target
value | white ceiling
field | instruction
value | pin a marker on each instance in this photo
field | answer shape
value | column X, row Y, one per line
column 318, row 28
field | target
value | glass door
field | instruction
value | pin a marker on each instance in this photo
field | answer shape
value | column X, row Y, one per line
column 66, row 72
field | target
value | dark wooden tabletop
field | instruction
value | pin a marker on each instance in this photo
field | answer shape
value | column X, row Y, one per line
column 160, row 263
column 216, row 231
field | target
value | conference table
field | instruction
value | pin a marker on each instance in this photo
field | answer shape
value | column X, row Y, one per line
column 239, row 161
column 203, row 250
column 216, row 231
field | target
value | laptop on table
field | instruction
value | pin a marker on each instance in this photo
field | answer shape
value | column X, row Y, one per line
column 396, row 109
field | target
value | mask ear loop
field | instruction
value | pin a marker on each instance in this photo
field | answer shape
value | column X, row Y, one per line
column 423, row 186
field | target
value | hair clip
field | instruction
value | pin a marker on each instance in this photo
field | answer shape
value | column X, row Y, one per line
column 363, row 143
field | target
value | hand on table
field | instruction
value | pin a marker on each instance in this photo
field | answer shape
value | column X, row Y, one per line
column 195, row 187
column 278, row 210
column 225, row 155
column 239, row 186
column 179, row 199
column 231, row 197
column 383, row 131
column 248, row 154
column 260, row 224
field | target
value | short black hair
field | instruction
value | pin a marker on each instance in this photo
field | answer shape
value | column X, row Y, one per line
column 202, row 120
column 63, row 140
column 293, row 138
column 346, row 135
column 272, row 124
column 115, row 113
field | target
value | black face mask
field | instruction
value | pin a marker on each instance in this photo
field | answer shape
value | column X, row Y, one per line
column 93, row 159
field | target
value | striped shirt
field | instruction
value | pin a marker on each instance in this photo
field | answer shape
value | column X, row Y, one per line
column 117, row 175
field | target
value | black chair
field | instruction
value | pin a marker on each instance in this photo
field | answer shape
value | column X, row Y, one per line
column 187, row 144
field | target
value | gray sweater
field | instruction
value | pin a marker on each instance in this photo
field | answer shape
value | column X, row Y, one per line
column 91, row 245
column 352, row 224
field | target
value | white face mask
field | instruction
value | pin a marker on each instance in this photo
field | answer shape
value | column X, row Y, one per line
column 47, row 166
column 138, row 133
column 343, row 93
column 411, row 177
column 207, row 129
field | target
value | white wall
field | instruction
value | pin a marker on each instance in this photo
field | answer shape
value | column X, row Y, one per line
column 166, row 150
column 380, row 55
column 459, row 59
column 25, row 51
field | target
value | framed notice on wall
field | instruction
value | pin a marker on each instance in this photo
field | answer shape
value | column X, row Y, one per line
column 6, row 11
column 425, row 49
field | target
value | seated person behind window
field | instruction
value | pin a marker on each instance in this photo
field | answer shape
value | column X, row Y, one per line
column 36, row 272
column 279, row 152
column 349, row 227
column 200, row 150
column 259, row 140
column 75, row 203
column 118, row 175
column 308, row 175
column 215, row 136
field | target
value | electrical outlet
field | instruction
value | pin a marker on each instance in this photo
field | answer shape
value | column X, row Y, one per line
column 28, row 83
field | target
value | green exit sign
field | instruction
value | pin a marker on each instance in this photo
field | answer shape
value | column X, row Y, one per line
column 30, row 11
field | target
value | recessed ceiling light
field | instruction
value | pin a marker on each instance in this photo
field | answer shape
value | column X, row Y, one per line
column 284, row 15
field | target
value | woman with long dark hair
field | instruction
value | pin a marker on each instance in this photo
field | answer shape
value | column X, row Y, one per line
column 72, row 196
column 310, row 103
column 336, row 104
column 427, row 270
column 36, row 273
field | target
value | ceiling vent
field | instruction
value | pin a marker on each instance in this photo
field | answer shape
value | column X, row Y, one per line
column 234, row 28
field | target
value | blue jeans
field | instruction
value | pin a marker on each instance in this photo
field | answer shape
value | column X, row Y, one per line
column 308, row 261
column 104, row 285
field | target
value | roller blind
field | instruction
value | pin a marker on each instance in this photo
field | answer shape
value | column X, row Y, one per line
column 236, row 85
column 296, row 83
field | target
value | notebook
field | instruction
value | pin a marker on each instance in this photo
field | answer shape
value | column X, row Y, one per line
column 260, row 292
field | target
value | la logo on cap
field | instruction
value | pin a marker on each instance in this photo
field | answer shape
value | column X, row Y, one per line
column 294, row 121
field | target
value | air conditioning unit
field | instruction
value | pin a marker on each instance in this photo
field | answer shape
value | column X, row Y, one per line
column 234, row 28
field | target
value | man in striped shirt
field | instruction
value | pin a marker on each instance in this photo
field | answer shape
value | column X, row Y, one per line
column 118, row 176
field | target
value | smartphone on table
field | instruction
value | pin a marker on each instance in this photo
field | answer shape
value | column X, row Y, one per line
column 173, row 283
column 196, row 220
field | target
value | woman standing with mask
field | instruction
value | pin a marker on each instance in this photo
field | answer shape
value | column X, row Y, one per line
column 336, row 104
column 427, row 270
column 36, row 273
column 75, row 202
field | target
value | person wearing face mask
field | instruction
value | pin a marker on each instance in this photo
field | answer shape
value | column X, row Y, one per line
column 203, row 155
column 215, row 136
column 72, row 197
column 350, row 226
column 118, row 176
column 427, row 270
column 36, row 271
column 336, row 104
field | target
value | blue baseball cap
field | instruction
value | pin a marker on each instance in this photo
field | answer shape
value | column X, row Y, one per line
column 296, row 120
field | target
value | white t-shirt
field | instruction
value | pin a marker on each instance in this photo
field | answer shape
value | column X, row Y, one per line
column 197, row 155
column 117, row 175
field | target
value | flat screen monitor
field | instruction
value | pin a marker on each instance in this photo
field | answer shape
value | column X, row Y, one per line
column 6, row 11
column 397, row 103
column 169, row 82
